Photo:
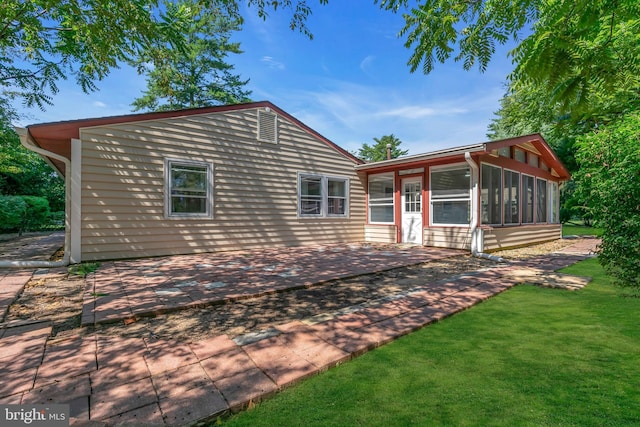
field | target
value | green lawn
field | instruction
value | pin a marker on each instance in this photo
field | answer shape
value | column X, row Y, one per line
column 527, row 357
column 577, row 229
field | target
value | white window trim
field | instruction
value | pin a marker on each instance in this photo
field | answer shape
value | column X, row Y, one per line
column 168, row 163
column 324, row 192
column 444, row 168
column 392, row 203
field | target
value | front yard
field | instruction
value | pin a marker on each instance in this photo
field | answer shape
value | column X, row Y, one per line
column 530, row 356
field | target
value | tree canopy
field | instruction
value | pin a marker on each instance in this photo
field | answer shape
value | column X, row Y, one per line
column 577, row 81
column 197, row 75
column 583, row 53
column 609, row 184
column 378, row 151
column 43, row 41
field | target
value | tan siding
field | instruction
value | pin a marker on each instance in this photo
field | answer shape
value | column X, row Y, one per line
column 509, row 237
column 448, row 237
column 255, row 187
column 380, row 233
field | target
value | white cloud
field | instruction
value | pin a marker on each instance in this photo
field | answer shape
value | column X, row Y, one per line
column 350, row 114
column 367, row 63
column 99, row 104
column 272, row 63
column 417, row 111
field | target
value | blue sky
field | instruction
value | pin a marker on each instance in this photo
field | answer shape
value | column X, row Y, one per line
column 351, row 83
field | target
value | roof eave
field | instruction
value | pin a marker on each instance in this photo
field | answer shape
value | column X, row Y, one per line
column 425, row 157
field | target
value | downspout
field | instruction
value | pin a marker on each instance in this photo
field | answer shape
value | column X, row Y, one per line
column 475, row 220
column 26, row 141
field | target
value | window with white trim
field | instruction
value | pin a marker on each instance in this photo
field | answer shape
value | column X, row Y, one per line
column 450, row 195
column 381, row 207
column 491, row 190
column 322, row 196
column 336, row 196
column 188, row 189
column 511, row 196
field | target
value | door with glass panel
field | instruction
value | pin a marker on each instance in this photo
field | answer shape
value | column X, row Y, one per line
column 412, row 210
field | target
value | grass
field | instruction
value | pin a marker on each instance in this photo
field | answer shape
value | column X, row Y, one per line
column 84, row 268
column 578, row 229
column 527, row 357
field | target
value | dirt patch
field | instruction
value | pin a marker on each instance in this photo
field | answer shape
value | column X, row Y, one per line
column 58, row 297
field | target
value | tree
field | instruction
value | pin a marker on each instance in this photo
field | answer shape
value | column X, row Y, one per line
column 197, row 75
column 609, row 182
column 581, row 52
column 378, row 151
column 44, row 41
column 24, row 173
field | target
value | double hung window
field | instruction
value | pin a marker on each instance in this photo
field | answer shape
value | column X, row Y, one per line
column 322, row 196
column 189, row 189
column 381, row 208
column 450, row 195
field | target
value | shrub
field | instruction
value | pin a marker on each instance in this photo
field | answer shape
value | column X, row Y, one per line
column 13, row 210
column 609, row 182
column 38, row 213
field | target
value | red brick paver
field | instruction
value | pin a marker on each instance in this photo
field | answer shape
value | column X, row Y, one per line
column 132, row 381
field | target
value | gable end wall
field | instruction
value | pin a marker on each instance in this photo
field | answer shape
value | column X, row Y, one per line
column 255, row 187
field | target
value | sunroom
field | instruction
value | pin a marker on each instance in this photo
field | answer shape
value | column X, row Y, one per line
column 481, row 197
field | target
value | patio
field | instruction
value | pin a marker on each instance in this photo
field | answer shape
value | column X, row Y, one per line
column 121, row 290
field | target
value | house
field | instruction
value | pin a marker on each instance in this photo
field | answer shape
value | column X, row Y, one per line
column 480, row 197
column 251, row 175
column 202, row 180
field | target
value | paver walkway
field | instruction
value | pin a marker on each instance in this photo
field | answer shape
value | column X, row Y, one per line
column 12, row 282
column 125, row 289
column 111, row 380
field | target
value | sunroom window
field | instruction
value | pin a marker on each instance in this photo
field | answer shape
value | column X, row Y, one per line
column 541, row 200
column 322, row 196
column 189, row 191
column 527, row 199
column 511, row 197
column 554, row 199
column 450, row 196
column 381, row 206
column 491, row 191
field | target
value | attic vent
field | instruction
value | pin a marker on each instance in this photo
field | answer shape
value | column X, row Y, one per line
column 267, row 126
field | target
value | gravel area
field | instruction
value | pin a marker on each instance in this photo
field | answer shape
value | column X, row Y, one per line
column 58, row 297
